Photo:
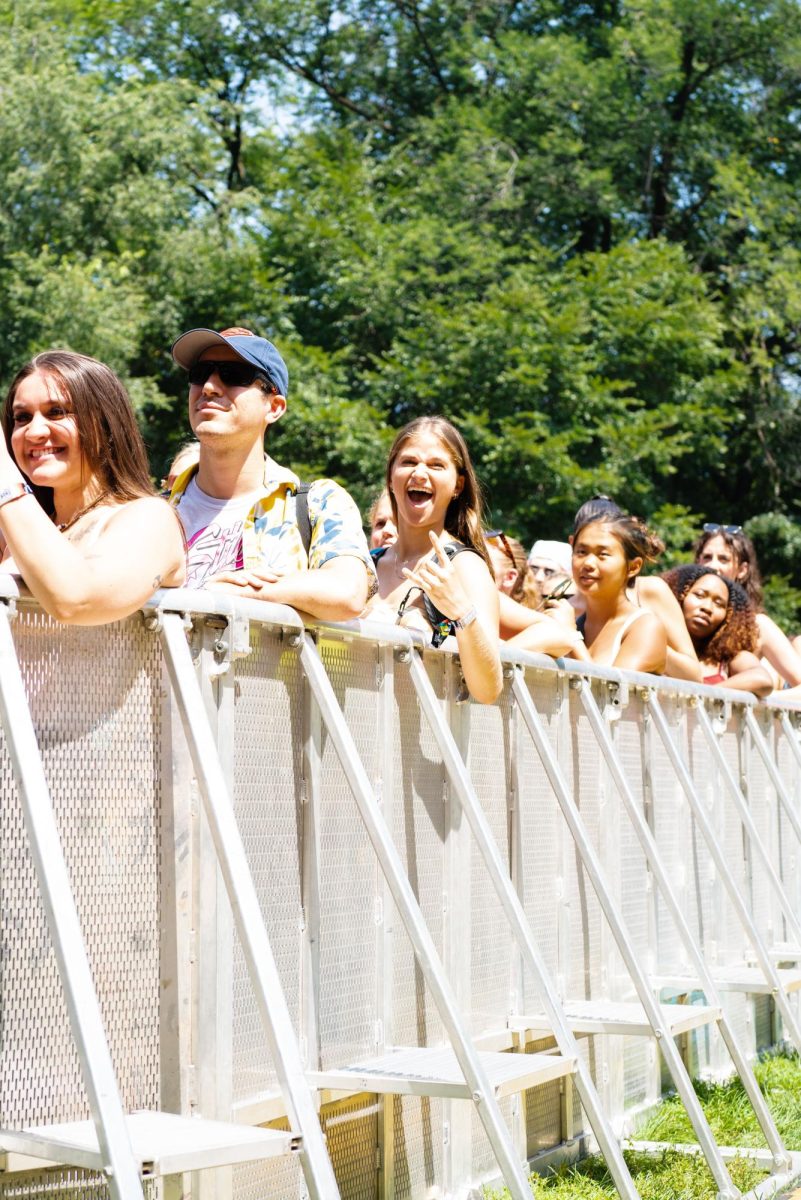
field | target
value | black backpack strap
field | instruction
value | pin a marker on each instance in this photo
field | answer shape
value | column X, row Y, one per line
column 302, row 515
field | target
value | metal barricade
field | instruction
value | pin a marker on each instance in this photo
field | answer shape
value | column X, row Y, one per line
column 183, row 1022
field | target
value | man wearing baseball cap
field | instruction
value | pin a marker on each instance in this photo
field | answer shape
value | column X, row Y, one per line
column 238, row 506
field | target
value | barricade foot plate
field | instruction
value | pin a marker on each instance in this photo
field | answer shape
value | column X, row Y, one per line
column 422, row 1072
column 163, row 1144
column 628, row 1020
column 750, row 980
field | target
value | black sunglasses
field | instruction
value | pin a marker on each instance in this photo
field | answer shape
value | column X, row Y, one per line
column 231, row 374
column 560, row 592
column 711, row 527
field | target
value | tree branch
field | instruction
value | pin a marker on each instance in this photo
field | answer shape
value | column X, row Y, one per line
column 411, row 12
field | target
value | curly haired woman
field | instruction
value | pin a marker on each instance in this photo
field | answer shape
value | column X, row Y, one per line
column 727, row 549
column 721, row 622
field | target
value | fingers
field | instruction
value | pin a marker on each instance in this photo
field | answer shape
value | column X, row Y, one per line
column 439, row 546
column 244, row 579
column 235, row 577
column 264, row 575
column 427, row 574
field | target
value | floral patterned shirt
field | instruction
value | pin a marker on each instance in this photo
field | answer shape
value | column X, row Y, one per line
column 270, row 534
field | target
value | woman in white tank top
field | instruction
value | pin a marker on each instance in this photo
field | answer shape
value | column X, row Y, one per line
column 608, row 552
column 78, row 515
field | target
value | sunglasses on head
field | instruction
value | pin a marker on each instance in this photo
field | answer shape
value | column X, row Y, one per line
column 712, row 527
column 499, row 535
column 230, row 374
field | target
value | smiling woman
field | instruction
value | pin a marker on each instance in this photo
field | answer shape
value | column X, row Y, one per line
column 78, row 515
column 437, row 575
column 609, row 550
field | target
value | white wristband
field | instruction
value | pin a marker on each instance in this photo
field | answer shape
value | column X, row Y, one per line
column 14, row 491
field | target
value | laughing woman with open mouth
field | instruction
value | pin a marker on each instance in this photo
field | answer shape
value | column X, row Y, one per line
column 79, row 518
column 437, row 576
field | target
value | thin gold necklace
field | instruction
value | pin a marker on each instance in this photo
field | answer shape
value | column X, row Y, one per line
column 63, row 526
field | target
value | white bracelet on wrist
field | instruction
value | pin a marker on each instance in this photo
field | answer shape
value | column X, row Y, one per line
column 14, row 491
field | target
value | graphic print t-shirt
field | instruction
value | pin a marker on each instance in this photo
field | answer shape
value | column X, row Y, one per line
column 213, row 530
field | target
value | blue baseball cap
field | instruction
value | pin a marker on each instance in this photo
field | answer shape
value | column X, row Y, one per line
column 255, row 350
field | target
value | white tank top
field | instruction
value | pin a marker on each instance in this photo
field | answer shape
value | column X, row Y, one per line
column 614, row 650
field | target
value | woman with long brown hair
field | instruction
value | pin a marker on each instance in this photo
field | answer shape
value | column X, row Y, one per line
column 437, row 574
column 79, row 518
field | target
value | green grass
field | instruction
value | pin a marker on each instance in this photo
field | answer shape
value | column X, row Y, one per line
column 672, row 1175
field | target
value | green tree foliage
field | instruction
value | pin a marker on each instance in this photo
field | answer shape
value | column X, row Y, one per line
column 572, row 227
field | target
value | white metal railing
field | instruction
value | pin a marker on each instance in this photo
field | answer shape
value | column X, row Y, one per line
column 430, row 872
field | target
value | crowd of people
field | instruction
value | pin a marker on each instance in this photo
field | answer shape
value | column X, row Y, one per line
column 82, row 525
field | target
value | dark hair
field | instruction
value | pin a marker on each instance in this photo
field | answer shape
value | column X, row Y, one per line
column 110, row 440
column 595, row 509
column 737, row 631
column 463, row 520
column 744, row 555
column 633, row 534
column 525, row 590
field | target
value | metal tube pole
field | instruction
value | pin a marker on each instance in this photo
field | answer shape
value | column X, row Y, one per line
column 83, row 1008
column 592, row 866
column 281, row 1034
column 409, row 910
column 651, row 850
column 719, row 859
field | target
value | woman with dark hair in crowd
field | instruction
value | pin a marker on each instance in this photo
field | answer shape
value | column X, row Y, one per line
column 720, row 621
column 609, row 551
column 437, row 574
column 731, row 553
column 651, row 592
column 89, row 537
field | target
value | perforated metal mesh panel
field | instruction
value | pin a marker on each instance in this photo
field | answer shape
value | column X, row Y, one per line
column 420, row 825
column 587, row 945
column 99, row 736
column 762, row 802
column 417, row 1146
column 348, row 870
column 638, row 1071
column 678, row 845
column 268, row 747
column 541, row 880
column 99, row 733
column 787, row 846
column 730, row 834
column 721, row 935
column 483, row 1159
column 276, row 1179
column 543, row 1109
column 636, row 884
column 66, row 1185
column 491, row 941
column 351, row 1129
